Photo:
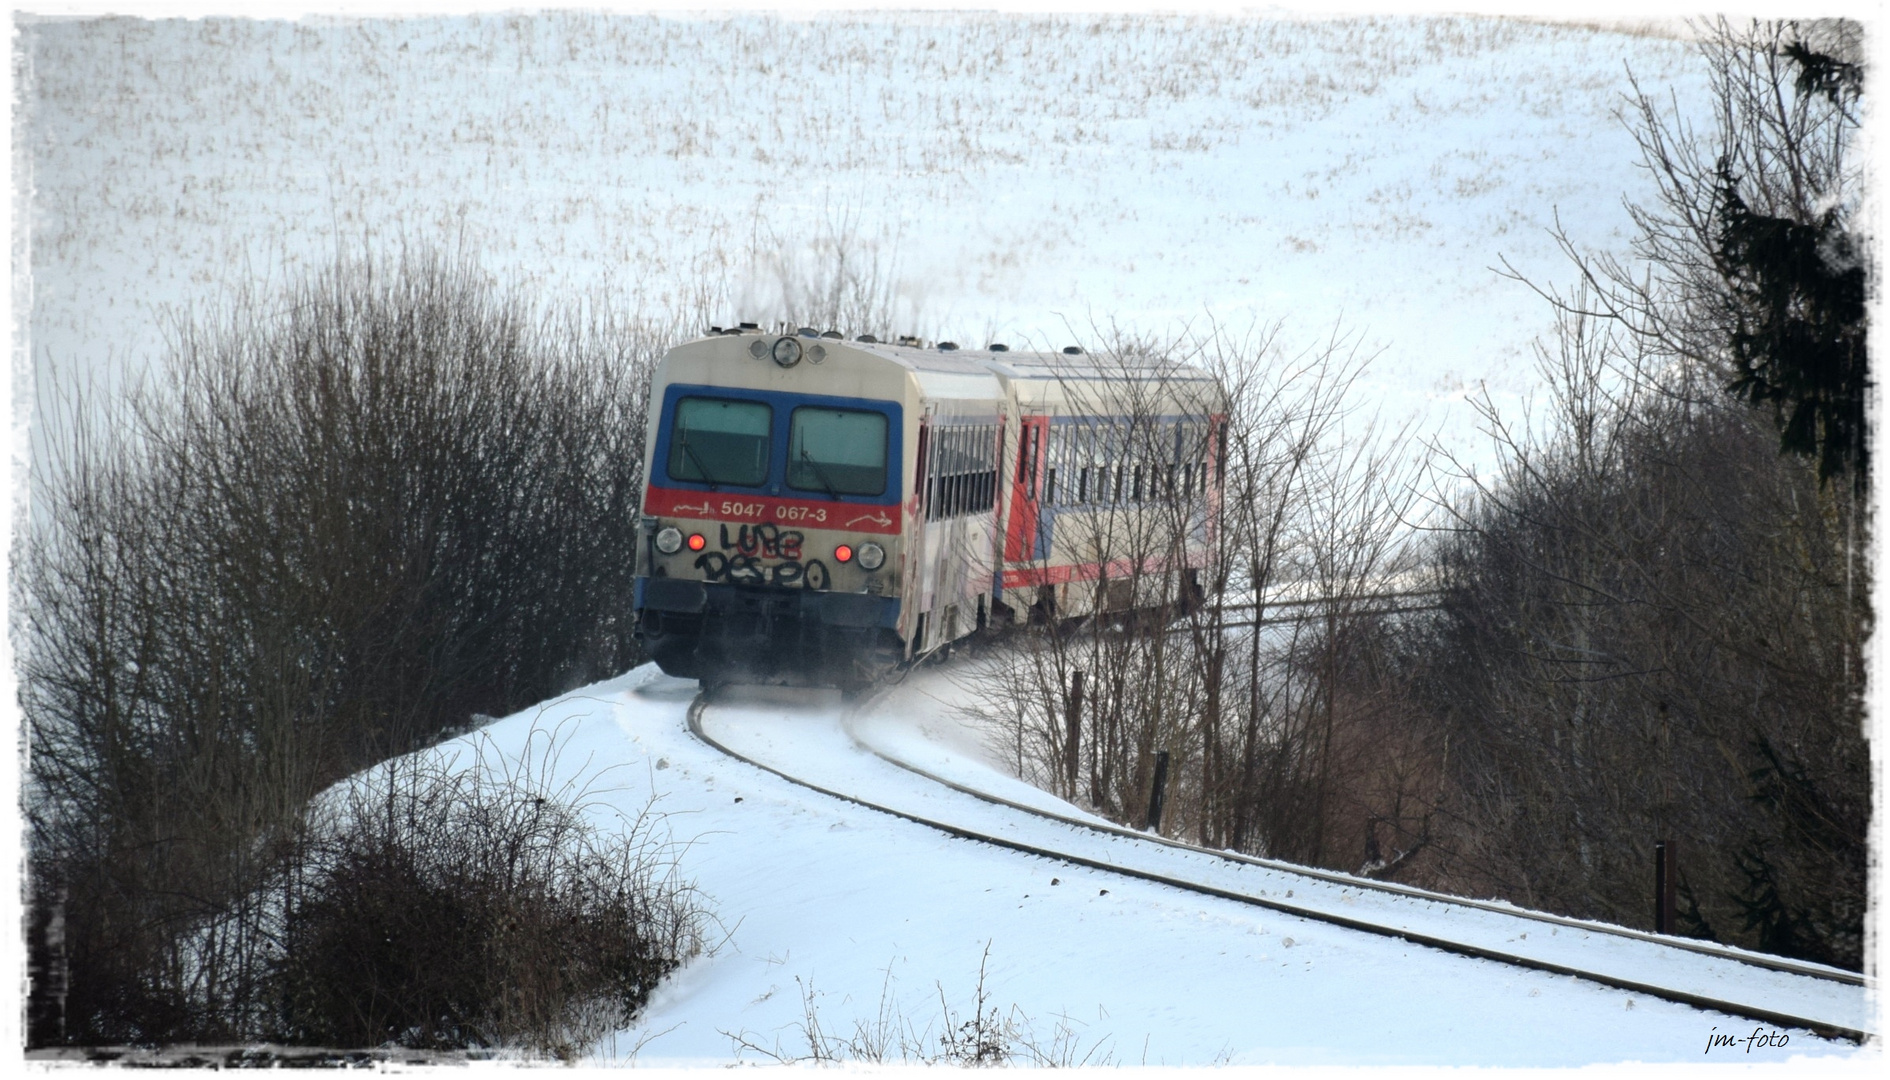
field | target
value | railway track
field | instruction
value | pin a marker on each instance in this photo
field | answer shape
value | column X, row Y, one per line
column 1826, row 1001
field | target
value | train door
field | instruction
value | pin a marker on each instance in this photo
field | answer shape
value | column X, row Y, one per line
column 917, row 591
column 1020, row 535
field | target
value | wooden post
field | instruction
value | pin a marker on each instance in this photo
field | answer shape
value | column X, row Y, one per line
column 1664, row 880
column 1155, row 791
column 1073, row 728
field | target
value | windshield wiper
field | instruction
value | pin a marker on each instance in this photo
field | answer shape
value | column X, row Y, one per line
column 820, row 474
column 683, row 441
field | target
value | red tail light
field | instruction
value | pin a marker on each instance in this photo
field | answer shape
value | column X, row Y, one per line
column 696, row 541
column 843, row 553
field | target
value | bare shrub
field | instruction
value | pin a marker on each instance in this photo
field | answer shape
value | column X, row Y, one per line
column 1246, row 671
column 362, row 512
column 439, row 906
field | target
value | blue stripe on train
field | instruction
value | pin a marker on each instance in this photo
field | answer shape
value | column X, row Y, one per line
column 783, row 405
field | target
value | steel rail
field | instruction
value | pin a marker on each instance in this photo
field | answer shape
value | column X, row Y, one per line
column 1181, row 626
column 1698, row 1001
column 1314, row 601
column 1718, row 952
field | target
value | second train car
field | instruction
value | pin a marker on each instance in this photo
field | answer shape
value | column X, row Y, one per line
column 821, row 512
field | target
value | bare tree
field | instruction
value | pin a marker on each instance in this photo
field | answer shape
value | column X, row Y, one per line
column 1649, row 633
column 1680, row 618
column 1268, row 750
column 359, row 515
column 1746, row 261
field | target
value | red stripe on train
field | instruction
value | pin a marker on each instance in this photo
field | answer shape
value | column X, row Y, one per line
column 768, row 509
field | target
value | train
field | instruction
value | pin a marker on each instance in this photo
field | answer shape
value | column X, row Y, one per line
column 819, row 511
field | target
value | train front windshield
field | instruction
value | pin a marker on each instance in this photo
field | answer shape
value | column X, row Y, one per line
column 837, row 451
column 720, row 441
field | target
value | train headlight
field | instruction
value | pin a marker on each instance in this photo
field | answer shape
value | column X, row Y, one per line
column 843, row 553
column 787, row 352
column 871, row 556
column 757, row 349
column 669, row 540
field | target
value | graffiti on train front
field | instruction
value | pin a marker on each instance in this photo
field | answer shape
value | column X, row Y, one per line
column 762, row 554
column 768, row 541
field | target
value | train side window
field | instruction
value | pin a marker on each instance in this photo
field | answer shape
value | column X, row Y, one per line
column 720, row 441
column 1079, row 464
column 1049, row 465
column 965, row 470
column 1113, row 478
column 953, row 467
column 957, row 497
column 1092, row 452
column 840, row 451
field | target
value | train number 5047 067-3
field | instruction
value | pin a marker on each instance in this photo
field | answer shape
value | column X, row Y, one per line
column 802, row 513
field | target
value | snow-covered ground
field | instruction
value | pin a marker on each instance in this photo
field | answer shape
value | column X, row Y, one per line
column 1024, row 179
column 858, row 916
column 1020, row 179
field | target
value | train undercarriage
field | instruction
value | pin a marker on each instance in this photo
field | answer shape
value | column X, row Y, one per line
column 764, row 635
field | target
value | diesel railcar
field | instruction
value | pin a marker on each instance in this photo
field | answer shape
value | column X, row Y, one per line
column 819, row 511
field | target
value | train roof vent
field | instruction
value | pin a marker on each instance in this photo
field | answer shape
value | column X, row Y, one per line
column 808, row 331
column 1071, row 350
column 997, row 347
column 715, row 329
column 908, row 339
column 948, row 346
column 834, row 334
column 868, row 338
column 751, row 326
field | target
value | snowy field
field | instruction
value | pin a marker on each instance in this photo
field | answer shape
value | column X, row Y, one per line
column 842, row 919
column 1029, row 180
column 1021, row 179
